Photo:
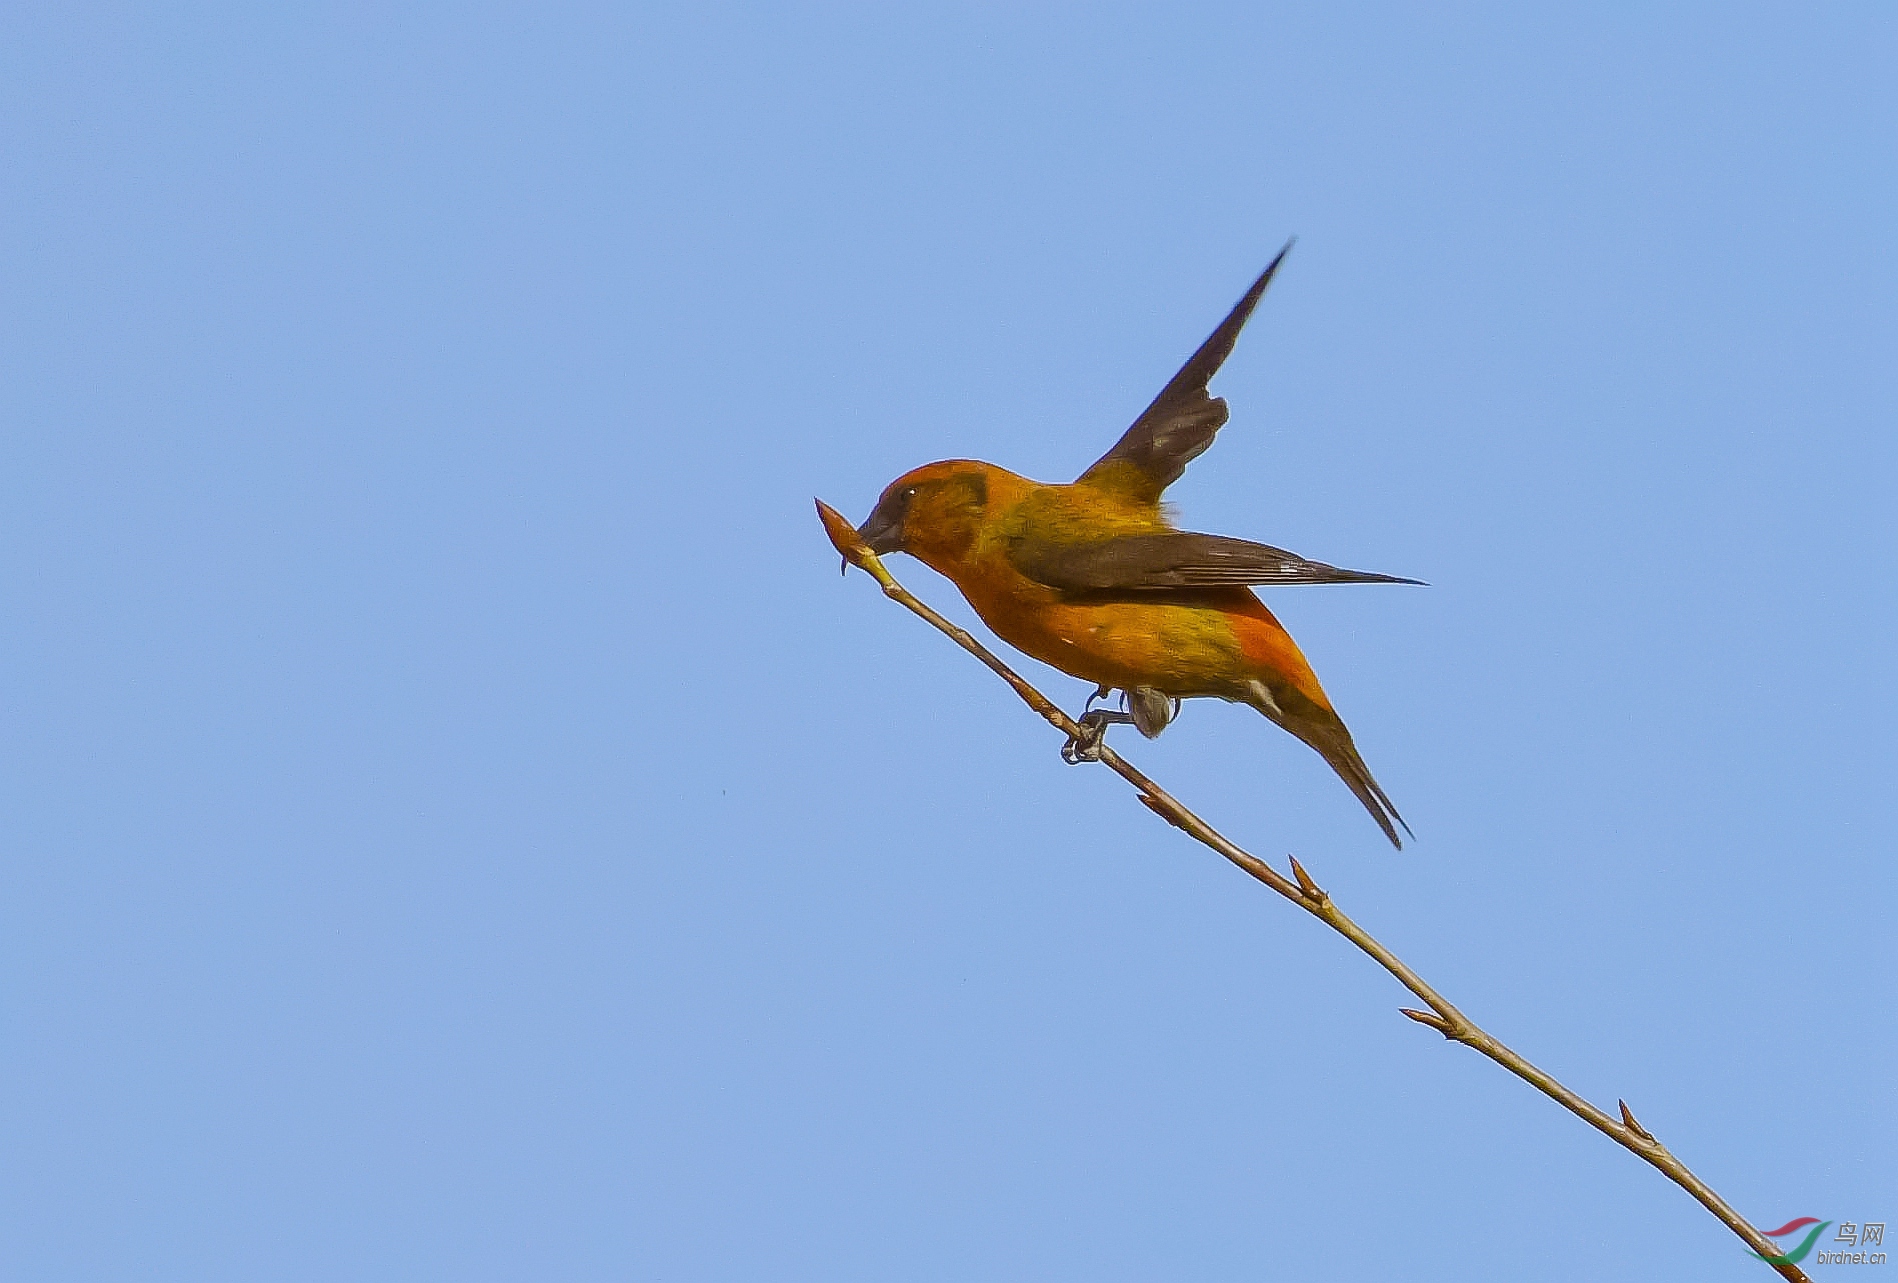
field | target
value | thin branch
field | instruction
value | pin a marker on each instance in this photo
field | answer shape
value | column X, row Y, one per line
column 1307, row 895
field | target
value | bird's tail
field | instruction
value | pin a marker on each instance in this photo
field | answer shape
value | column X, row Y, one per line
column 1325, row 731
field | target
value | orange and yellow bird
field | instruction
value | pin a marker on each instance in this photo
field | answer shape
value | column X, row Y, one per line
column 1094, row 579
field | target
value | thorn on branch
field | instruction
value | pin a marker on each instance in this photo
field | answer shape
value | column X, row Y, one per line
column 1432, row 1019
column 1153, row 804
column 843, row 535
column 1313, row 892
column 1627, row 1119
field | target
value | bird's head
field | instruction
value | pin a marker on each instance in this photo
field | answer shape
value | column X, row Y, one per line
column 933, row 513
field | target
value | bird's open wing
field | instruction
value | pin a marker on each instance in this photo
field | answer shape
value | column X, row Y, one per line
column 1180, row 423
column 1135, row 563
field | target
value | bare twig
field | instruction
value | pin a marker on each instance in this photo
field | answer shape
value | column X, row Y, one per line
column 1307, row 895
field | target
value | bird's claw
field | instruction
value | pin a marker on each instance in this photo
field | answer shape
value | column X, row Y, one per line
column 1084, row 745
column 1089, row 735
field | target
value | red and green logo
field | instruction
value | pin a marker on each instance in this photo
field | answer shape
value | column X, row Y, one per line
column 1797, row 1254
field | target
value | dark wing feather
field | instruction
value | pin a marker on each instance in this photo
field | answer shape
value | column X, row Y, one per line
column 1180, row 423
column 1175, row 560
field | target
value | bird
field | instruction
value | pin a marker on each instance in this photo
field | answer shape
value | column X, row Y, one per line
column 1093, row 578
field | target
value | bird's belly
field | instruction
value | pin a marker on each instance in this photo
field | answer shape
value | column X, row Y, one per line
column 1179, row 649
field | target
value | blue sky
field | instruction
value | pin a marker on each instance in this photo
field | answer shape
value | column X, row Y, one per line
column 460, row 825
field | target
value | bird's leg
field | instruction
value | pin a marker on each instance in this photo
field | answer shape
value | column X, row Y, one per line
column 1085, row 746
column 1151, row 709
